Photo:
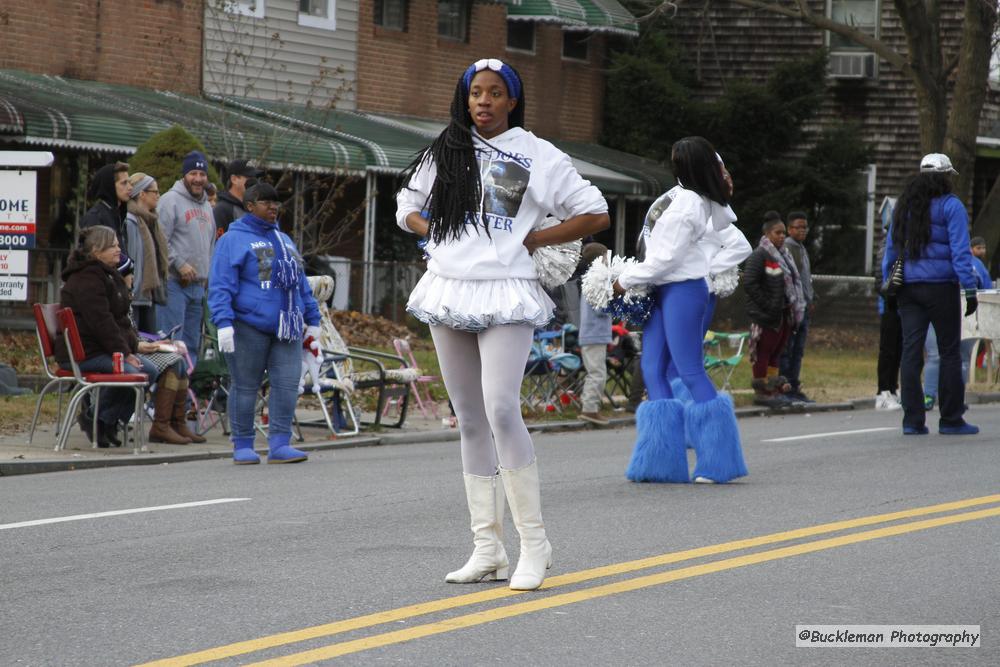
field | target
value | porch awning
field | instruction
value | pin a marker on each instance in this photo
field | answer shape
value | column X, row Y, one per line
column 592, row 15
column 55, row 112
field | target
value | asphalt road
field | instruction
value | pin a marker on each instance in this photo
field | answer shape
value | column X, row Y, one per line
column 291, row 561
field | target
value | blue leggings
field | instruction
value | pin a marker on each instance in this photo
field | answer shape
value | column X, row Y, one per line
column 674, row 334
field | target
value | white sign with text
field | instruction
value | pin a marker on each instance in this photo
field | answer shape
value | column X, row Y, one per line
column 14, row 261
column 13, row 288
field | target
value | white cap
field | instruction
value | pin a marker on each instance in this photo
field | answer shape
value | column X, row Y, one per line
column 936, row 163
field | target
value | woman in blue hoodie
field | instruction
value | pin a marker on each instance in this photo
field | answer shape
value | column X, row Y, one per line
column 263, row 307
column 930, row 230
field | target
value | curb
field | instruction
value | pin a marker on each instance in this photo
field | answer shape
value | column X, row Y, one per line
column 9, row 468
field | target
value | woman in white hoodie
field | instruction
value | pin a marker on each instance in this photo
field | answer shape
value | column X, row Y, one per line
column 677, row 261
column 476, row 195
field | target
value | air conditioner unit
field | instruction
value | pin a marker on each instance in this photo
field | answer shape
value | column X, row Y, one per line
column 852, row 65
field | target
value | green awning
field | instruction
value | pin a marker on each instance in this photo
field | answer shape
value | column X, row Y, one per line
column 655, row 177
column 57, row 112
column 609, row 16
column 388, row 148
column 590, row 15
column 563, row 12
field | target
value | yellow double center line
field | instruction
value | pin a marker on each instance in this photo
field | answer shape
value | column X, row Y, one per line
column 539, row 603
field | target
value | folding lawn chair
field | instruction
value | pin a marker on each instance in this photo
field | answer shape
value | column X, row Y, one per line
column 551, row 374
column 718, row 363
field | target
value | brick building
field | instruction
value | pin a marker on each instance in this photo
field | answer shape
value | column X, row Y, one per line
column 148, row 44
column 410, row 68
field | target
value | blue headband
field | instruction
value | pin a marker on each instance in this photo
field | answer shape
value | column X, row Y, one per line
column 504, row 70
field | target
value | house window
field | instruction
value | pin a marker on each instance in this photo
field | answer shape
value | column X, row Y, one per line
column 318, row 14
column 859, row 14
column 253, row 8
column 391, row 14
column 575, row 45
column 453, row 19
column 521, row 36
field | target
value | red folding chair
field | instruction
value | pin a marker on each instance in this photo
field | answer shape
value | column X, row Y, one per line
column 91, row 383
column 46, row 330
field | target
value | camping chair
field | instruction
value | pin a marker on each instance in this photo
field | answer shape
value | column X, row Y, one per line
column 340, row 359
column 425, row 402
column 550, row 373
column 91, row 383
column 46, row 330
column 717, row 362
column 622, row 363
column 209, row 382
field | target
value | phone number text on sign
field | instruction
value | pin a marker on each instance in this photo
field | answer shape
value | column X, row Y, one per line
column 17, row 240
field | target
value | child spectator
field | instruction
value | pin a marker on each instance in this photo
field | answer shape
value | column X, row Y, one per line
column 595, row 335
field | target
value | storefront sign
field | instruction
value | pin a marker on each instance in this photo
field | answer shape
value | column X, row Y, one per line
column 18, row 208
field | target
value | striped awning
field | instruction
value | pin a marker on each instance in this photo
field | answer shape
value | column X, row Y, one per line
column 590, row 15
column 55, row 112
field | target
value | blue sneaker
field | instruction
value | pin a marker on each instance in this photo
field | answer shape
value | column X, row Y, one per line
column 915, row 430
column 964, row 429
column 928, row 402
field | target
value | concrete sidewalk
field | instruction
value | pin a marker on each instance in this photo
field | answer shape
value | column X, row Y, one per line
column 19, row 458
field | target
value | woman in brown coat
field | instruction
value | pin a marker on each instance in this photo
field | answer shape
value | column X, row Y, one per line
column 100, row 300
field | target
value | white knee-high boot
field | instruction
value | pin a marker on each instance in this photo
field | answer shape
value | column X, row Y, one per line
column 526, row 508
column 488, row 561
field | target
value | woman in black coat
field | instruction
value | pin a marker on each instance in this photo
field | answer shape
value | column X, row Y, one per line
column 100, row 300
column 775, row 305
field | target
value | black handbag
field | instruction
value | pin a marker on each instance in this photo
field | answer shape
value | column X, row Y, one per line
column 894, row 280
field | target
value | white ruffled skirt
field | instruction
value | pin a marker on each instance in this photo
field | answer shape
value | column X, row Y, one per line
column 475, row 305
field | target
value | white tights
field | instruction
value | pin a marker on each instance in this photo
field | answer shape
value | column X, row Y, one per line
column 482, row 373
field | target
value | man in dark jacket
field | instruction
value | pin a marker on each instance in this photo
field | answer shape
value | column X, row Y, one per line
column 111, row 188
column 241, row 175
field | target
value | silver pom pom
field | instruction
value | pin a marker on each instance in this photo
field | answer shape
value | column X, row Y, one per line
column 723, row 284
column 554, row 264
column 597, row 284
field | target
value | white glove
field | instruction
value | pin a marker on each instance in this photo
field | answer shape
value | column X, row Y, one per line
column 314, row 331
column 226, row 342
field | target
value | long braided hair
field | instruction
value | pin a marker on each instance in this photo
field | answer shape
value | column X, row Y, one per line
column 911, row 219
column 457, row 188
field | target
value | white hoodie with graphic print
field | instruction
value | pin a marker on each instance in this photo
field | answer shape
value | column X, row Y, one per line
column 524, row 180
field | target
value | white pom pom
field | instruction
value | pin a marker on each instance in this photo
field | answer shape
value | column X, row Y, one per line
column 723, row 284
column 595, row 287
column 554, row 264
column 597, row 284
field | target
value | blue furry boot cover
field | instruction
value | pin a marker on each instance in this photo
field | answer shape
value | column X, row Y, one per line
column 659, row 454
column 711, row 428
column 680, row 390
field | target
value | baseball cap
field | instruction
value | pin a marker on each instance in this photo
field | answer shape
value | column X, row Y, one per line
column 260, row 192
column 243, row 168
column 936, row 163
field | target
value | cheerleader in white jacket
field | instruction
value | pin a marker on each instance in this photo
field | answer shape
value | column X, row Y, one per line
column 679, row 258
column 476, row 194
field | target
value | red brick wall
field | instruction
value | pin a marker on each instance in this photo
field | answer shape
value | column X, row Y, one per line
column 414, row 73
column 146, row 43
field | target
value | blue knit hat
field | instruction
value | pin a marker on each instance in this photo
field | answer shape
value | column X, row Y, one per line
column 194, row 160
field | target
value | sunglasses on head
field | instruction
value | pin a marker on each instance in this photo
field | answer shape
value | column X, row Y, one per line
column 488, row 63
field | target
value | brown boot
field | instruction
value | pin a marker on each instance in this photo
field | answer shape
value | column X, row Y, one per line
column 178, row 420
column 163, row 405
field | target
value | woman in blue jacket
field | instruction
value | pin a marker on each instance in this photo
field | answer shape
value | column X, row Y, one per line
column 261, row 302
column 930, row 229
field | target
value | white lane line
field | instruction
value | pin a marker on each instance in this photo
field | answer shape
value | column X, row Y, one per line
column 827, row 435
column 99, row 515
